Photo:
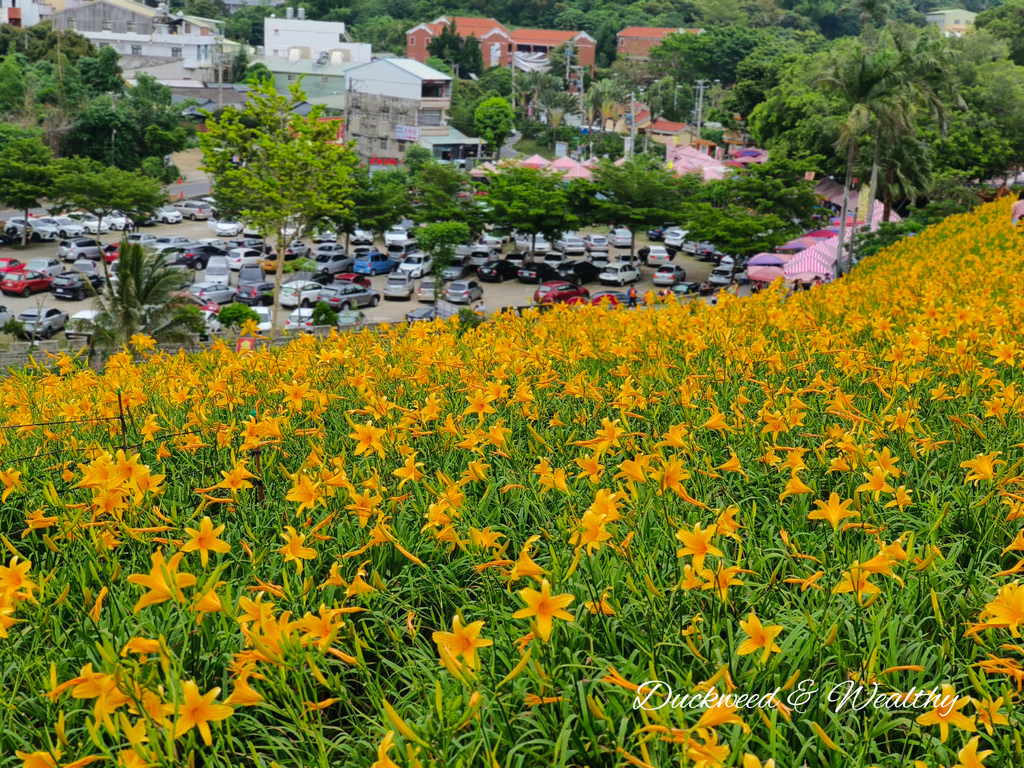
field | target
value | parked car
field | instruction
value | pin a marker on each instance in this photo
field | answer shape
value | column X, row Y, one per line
column 421, row 314
column 264, row 320
column 75, row 286
column 398, row 251
column 5, row 315
column 425, row 291
column 558, row 291
column 463, row 291
column 497, row 271
column 350, row 320
column 352, row 277
column 339, row 296
column 47, row 228
column 146, row 240
column 197, row 256
column 215, row 293
column 620, row 238
column 610, row 298
column 686, row 290
column 528, row 243
column 477, row 254
column 296, row 250
column 254, row 243
column 168, row 215
column 333, row 262
column 118, row 221
column 536, row 272
column 299, row 293
column 723, row 274
column 25, row 283
column 658, row 233
column 331, row 247
column 396, row 236
column 518, row 257
column 218, row 270
column 373, row 263
column 619, row 273
column 79, row 248
column 399, row 285
column 90, row 224
column 361, row 237
column 595, row 243
column 193, row 209
column 416, row 264
column 244, row 257
column 228, row 228
column 656, row 255
column 80, row 325
column 259, row 294
column 456, row 269
column 111, row 252
column 50, row 267
column 69, row 227
column 570, row 244
column 15, row 225
column 10, row 264
column 42, row 323
column 675, row 239
column 554, row 259
column 89, row 268
column 492, row 240
column 669, row 274
column 300, row 320
column 599, row 259
column 579, row 272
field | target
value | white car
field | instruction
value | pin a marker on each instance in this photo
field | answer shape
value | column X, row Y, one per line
column 212, row 323
column 361, row 237
column 494, row 241
column 264, row 324
column 46, row 229
column 69, row 227
column 325, row 236
column 595, row 243
column 168, row 215
column 675, row 238
column 620, row 238
column 218, row 270
column 299, row 320
column 570, row 244
column 80, row 325
column 117, row 220
column 145, row 239
column 416, row 264
column 243, row 257
column 91, row 225
column 214, row 242
column 619, row 273
column 658, row 255
column 228, row 228
column 300, row 293
column 528, row 243
column 397, row 236
column 50, row 267
column 171, row 240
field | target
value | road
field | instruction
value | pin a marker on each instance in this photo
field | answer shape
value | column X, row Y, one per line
column 511, row 293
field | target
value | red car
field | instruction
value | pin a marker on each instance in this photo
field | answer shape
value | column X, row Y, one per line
column 25, row 283
column 558, row 291
column 10, row 265
column 352, row 277
column 111, row 252
column 608, row 299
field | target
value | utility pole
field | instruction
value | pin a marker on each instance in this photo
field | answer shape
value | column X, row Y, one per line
column 632, row 122
column 701, row 87
column 220, row 76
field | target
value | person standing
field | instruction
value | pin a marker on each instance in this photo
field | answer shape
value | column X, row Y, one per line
column 632, row 297
column 1017, row 212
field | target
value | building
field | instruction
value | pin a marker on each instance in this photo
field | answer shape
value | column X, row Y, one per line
column 235, row 5
column 295, row 37
column 148, row 39
column 24, row 13
column 952, row 22
column 499, row 45
column 636, row 42
column 323, row 82
column 395, row 103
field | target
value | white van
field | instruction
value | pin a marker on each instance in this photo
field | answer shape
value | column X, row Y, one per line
column 218, row 270
column 80, row 325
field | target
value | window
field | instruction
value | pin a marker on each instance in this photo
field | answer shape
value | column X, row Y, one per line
column 129, row 26
column 384, row 142
column 324, row 79
column 622, row 43
column 105, row 25
column 72, row 22
column 401, row 146
column 175, row 53
column 188, row 28
column 430, row 117
column 292, row 78
column 341, row 37
column 412, row 41
column 136, row 50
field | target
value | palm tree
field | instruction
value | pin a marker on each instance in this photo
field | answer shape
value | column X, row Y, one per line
column 905, row 173
column 530, row 85
column 607, row 96
column 558, row 104
column 142, row 300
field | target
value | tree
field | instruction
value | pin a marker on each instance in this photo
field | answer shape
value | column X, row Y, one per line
column 102, row 73
column 240, row 66
column 142, row 301
column 440, row 239
column 778, row 187
column 26, row 176
column 471, row 60
column 639, row 193
column 494, row 122
column 90, row 186
column 713, row 55
column 258, row 73
column 12, row 85
column 446, row 45
column 443, row 193
column 236, row 315
column 735, row 230
column 416, row 157
column 380, row 200
column 279, row 171
column 1006, row 22
column 905, row 173
column 558, row 104
column 530, row 201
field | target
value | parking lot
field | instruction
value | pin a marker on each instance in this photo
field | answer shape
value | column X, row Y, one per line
column 496, row 295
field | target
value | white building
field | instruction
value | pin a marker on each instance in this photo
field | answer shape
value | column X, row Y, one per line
column 24, row 13
column 169, row 46
column 295, row 37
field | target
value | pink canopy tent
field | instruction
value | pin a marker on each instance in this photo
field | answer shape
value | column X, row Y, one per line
column 769, row 260
column 564, row 164
column 579, row 172
column 820, row 233
column 798, row 244
column 482, row 170
column 764, row 274
column 536, row 161
column 819, row 261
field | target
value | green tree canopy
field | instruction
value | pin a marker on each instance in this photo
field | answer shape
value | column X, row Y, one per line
column 530, row 201
column 494, row 122
column 27, row 175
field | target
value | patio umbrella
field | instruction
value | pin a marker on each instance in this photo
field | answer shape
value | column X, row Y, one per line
column 764, row 274
column 798, row 244
column 536, row 161
column 825, row 233
column 768, row 260
column 749, row 152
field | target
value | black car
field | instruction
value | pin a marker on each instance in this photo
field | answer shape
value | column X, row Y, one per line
column 497, row 271
column 256, row 294
column 658, row 233
column 579, row 272
column 537, row 272
column 198, row 256
column 421, row 314
column 75, row 286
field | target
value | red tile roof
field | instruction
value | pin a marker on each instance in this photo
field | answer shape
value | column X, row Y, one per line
column 468, row 25
column 666, row 126
column 651, row 33
column 542, row 36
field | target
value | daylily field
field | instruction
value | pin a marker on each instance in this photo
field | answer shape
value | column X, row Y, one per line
column 421, row 548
